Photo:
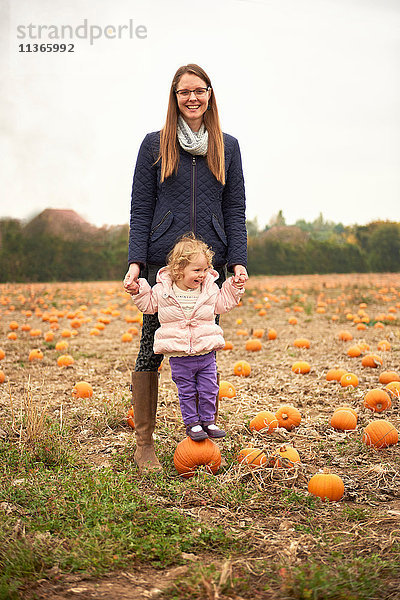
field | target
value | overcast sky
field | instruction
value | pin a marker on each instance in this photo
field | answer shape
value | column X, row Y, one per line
column 311, row 88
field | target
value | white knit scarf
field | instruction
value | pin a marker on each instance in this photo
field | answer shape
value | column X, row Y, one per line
column 194, row 143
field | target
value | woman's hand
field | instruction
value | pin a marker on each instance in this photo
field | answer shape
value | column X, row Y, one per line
column 130, row 280
column 240, row 276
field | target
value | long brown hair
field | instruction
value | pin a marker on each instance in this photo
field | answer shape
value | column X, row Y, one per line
column 169, row 148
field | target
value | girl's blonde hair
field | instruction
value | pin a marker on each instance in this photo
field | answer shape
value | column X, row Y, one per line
column 169, row 147
column 184, row 251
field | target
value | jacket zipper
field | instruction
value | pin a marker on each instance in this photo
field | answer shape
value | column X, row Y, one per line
column 193, row 199
column 160, row 223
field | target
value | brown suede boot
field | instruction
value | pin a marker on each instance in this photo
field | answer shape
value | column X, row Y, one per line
column 144, row 402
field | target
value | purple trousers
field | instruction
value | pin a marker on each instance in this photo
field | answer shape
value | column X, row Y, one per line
column 196, row 379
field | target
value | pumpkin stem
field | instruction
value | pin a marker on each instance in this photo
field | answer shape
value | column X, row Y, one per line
column 284, row 416
column 326, row 470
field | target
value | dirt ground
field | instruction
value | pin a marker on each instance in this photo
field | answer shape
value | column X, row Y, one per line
column 370, row 476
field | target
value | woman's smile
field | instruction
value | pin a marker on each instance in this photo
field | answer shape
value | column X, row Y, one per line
column 192, row 109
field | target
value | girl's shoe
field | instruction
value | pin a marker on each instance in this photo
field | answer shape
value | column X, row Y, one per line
column 213, row 431
column 196, row 432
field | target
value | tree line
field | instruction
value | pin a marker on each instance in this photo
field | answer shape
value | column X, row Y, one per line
column 42, row 256
column 323, row 247
column 277, row 249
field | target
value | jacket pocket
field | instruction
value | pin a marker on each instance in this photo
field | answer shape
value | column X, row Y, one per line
column 221, row 233
column 162, row 226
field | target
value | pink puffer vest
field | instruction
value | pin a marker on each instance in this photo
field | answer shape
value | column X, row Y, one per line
column 198, row 334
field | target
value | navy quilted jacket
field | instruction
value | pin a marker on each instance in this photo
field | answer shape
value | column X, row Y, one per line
column 191, row 200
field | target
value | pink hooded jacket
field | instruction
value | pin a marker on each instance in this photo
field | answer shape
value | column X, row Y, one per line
column 198, row 334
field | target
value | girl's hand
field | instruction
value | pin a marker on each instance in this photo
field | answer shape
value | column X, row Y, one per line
column 130, row 280
column 240, row 276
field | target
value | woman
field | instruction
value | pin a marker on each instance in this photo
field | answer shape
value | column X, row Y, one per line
column 188, row 178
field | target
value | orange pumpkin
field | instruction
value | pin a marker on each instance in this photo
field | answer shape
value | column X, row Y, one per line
column 126, row 337
column 354, row 351
column 343, row 420
column 345, row 336
column 242, row 368
column 288, row 417
column 384, row 346
column 272, row 334
column 364, row 346
column 393, row 388
column 258, row 333
column 65, row 360
column 371, row 360
column 349, row 379
column 252, row 457
column 12, row 336
column 82, row 389
column 35, row 332
column 335, row 374
column 292, row 321
column 253, row 345
column 380, row 434
column 189, row 455
column 264, row 420
column 242, row 332
column 2, row 377
column 13, row 325
column 347, row 407
column 301, row 343
column 284, row 457
column 228, row 346
column 377, row 400
column 130, row 418
column 2, row 354
column 35, row 355
column 388, row 376
column 326, row 485
column 226, row 390
column 61, row 346
column 301, row 366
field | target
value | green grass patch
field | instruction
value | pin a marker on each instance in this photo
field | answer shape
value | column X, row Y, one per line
column 82, row 519
column 339, row 577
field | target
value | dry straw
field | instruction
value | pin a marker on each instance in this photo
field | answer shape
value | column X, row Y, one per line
column 32, row 427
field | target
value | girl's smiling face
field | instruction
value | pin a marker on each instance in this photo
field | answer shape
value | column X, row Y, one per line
column 194, row 273
column 192, row 108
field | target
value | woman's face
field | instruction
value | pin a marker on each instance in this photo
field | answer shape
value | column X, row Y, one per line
column 192, row 108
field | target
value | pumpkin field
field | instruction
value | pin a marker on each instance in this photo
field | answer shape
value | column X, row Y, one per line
column 301, row 499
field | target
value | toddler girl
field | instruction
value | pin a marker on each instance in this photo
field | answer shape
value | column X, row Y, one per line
column 187, row 300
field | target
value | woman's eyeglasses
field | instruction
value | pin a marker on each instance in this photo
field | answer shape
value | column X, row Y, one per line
column 198, row 92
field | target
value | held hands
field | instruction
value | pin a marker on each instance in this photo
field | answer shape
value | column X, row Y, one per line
column 130, row 280
column 239, row 276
